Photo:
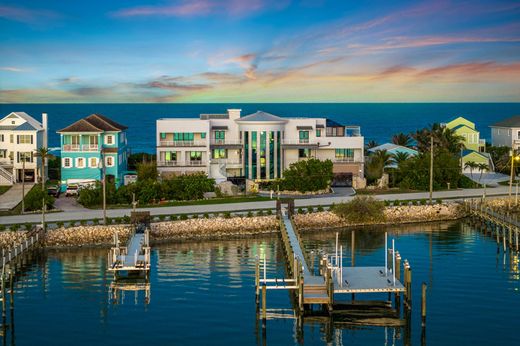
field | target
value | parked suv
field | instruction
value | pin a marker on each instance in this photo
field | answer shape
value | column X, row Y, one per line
column 72, row 190
column 54, row 190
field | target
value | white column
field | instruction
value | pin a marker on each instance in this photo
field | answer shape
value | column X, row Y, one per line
column 250, row 154
column 275, row 154
column 258, row 140
column 267, row 155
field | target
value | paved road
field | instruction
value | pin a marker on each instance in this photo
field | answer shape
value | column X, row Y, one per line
column 211, row 208
column 12, row 197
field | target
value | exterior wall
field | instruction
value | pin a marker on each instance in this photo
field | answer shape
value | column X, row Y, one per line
column 474, row 157
column 505, row 137
column 471, row 137
column 12, row 149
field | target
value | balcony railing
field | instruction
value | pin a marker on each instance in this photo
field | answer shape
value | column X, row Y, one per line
column 183, row 143
column 227, row 161
column 215, row 141
column 344, row 160
column 78, row 147
column 180, row 163
column 305, row 141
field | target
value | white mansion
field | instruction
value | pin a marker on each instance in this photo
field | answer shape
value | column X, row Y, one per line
column 20, row 136
column 258, row 146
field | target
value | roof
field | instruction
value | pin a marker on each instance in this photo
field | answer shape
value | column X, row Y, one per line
column 35, row 124
column 332, row 123
column 26, row 127
column 393, row 147
column 459, row 121
column 94, row 123
column 458, row 127
column 513, row 121
column 468, row 152
column 261, row 116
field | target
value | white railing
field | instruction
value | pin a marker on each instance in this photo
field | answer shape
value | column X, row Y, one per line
column 78, row 147
column 226, row 141
column 344, row 159
column 90, row 147
column 227, row 161
column 6, row 175
column 298, row 141
column 183, row 143
column 180, row 164
column 71, row 147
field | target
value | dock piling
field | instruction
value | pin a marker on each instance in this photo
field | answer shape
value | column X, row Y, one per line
column 423, row 305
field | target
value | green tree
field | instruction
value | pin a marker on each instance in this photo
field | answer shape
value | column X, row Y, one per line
column 471, row 165
column 443, row 139
column 403, row 139
column 35, row 197
column 362, row 209
column 147, row 171
column 307, row 175
column 481, row 167
column 400, row 157
column 44, row 154
column 371, row 144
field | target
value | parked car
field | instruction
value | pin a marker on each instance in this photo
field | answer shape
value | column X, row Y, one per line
column 72, row 190
column 54, row 190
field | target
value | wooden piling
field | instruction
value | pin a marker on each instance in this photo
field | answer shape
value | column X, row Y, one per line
column 3, row 295
column 11, row 297
column 264, row 303
column 257, row 280
column 423, row 305
column 353, row 250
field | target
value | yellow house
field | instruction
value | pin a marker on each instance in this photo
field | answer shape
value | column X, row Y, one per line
column 465, row 128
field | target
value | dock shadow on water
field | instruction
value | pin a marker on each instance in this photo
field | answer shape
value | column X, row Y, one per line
column 202, row 293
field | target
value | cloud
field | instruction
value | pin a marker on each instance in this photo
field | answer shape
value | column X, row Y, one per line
column 26, row 15
column 12, row 69
column 200, row 8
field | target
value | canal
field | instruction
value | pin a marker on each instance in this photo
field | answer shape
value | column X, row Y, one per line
column 202, row 293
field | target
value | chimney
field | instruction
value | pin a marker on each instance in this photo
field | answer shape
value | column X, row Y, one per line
column 234, row 114
column 45, row 130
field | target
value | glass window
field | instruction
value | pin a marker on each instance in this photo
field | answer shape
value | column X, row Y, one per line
column 304, row 136
column 344, row 154
column 163, row 135
column 109, row 139
column 304, row 153
column 318, row 133
column 109, row 161
column 67, row 162
column 171, row 156
column 24, row 139
column 203, row 135
column 219, row 153
column 93, row 162
column 195, row 155
column 80, row 162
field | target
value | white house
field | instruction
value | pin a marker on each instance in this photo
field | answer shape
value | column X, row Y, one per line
column 20, row 136
column 258, row 146
column 506, row 133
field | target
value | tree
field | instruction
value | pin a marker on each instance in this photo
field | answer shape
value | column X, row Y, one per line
column 376, row 163
column 307, row 175
column 443, row 138
column 34, row 199
column 372, row 144
column 399, row 157
column 137, row 158
column 471, row 165
column 403, row 139
column 362, row 209
column 44, row 154
column 147, row 171
column 481, row 167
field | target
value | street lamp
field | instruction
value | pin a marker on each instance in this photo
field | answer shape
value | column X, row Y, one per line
column 101, row 165
column 513, row 159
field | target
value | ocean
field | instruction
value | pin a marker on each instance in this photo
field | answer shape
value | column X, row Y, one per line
column 378, row 121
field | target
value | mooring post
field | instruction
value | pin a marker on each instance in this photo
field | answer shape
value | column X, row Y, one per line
column 516, row 239
column 423, row 305
column 386, row 254
column 353, row 240
column 11, row 284
column 264, row 304
column 257, row 280
column 300, row 294
column 3, row 294
column 504, row 238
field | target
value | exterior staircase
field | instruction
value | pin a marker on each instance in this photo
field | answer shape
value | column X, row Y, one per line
column 6, row 177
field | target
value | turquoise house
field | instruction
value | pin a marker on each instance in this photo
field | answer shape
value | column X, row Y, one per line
column 394, row 149
column 89, row 145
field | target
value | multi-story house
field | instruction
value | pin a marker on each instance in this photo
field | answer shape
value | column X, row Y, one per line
column 258, row 146
column 20, row 136
column 90, row 145
column 506, row 133
column 474, row 146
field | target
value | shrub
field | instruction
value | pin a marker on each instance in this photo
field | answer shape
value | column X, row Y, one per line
column 173, row 217
column 227, row 215
column 34, row 199
column 301, row 211
column 387, row 203
column 14, row 227
column 361, row 209
column 162, row 217
column 307, row 175
column 28, row 226
column 332, row 206
column 310, row 210
column 2, row 228
column 439, row 201
column 126, row 219
column 109, row 220
column 206, row 216
column 60, row 224
column 216, row 215
column 95, row 221
column 320, row 208
column 269, row 212
column 250, row 214
column 418, row 202
column 423, row 201
column 118, row 219
column 83, row 222
column 184, row 217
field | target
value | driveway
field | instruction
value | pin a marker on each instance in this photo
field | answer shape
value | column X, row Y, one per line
column 490, row 179
column 67, row 204
column 12, row 197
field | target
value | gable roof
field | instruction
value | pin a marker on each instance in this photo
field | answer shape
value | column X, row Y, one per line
column 513, row 121
column 26, row 127
column 460, row 121
column 94, row 123
column 467, row 152
column 261, row 116
column 35, row 124
column 393, row 147
column 458, row 127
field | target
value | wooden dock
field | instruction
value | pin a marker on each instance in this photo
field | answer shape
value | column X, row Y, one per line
column 132, row 259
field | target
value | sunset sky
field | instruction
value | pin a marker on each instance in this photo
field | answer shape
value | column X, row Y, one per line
column 259, row 51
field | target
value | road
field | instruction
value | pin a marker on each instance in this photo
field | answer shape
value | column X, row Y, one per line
column 212, row 208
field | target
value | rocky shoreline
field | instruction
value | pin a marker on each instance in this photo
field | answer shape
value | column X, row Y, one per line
column 225, row 228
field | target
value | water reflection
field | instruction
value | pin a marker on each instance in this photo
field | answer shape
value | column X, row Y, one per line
column 204, row 293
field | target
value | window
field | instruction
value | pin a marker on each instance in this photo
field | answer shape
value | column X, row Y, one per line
column 24, row 139
column 304, row 153
column 304, row 136
column 219, row 153
column 3, row 154
column 318, row 132
column 121, row 137
column 11, row 138
column 163, row 135
column 518, row 135
column 183, row 136
column 345, row 154
column 93, row 162
column 67, row 162
column 24, row 156
column 195, row 155
column 1, row 138
column 203, row 135
column 109, row 139
column 220, row 134
column 170, row 156
column 109, row 161
column 74, row 139
column 80, row 162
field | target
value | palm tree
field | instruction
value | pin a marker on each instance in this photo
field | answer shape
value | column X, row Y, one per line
column 400, row 157
column 372, row 144
column 383, row 156
column 443, row 138
column 44, row 154
column 403, row 139
column 481, row 167
column 471, row 165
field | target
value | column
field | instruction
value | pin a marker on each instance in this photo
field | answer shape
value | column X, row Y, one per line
column 275, row 154
column 250, row 154
column 267, row 154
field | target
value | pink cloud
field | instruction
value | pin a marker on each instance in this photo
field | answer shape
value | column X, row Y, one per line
column 198, row 8
column 26, row 15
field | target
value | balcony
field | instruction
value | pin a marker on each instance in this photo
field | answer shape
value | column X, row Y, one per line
column 230, row 163
column 181, row 164
column 302, row 142
column 226, row 142
column 78, row 147
column 183, row 143
column 345, row 160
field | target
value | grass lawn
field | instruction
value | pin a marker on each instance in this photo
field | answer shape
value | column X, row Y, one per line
column 4, row 189
column 224, row 200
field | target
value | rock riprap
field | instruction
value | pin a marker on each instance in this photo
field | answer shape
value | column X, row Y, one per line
column 86, row 235
column 8, row 238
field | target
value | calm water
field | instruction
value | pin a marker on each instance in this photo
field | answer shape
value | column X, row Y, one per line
column 203, row 293
column 378, row 121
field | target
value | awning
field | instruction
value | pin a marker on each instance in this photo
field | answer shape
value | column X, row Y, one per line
column 219, row 127
column 319, row 126
column 304, row 127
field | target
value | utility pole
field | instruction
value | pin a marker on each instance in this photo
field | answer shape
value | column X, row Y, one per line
column 23, row 185
column 431, row 169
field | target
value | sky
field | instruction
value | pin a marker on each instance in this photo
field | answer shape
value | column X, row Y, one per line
column 57, row 51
